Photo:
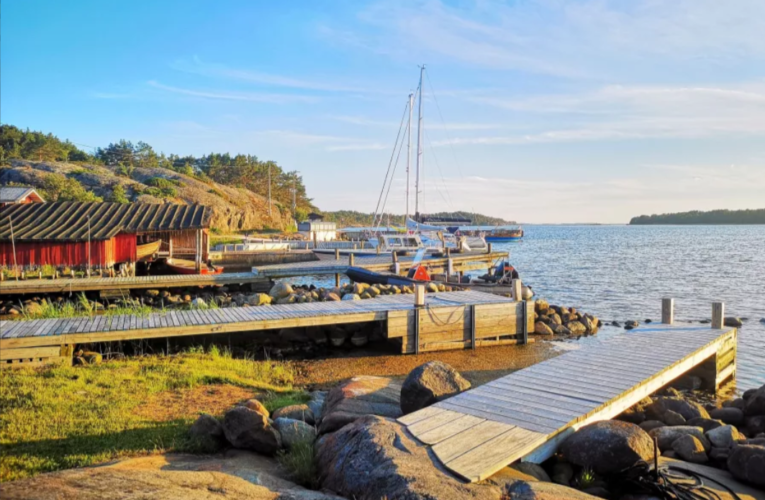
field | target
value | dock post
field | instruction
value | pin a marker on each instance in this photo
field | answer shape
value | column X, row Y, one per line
column 517, row 290
column 472, row 326
column 488, row 247
column 351, row 260
column 449, row 263
column 668, row 311
column 419, row 303
column 337, row 276
column 396, row 265
column 528, row 320
column 718, row 315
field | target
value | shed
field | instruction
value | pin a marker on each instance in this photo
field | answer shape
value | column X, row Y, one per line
column 77, row 234
column 19, row 195
column 318, row 230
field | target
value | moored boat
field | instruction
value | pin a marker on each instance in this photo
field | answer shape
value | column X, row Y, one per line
column 502, row 234
column 182, row 266
column 147, row 250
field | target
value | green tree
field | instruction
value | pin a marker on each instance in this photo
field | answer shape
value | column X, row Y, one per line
column 118, row 195
column 57, row 187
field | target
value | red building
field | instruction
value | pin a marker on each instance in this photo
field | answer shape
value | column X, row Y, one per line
column 98, row 235
column 19, row 195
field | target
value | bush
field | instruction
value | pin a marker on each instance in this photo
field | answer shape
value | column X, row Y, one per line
column 162, row 183
column 167, row 192
column 56, row 187
column 118, row 195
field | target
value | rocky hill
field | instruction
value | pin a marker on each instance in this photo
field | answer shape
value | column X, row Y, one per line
column 234, row 209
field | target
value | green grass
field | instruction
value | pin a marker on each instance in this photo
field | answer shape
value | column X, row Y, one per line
column 84, row 307
column 300, row 463
column 60, row 417
column 275, row 400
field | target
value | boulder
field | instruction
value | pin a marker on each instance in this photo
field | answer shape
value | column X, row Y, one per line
column 719, row 454
column 316, row 403
column 207, row 431
column 375, row 458
column 690, row 449
column 295, row 412
column 672, row 418
column 755, row 403
column 705, row 423
column 257, row 407
column 294, row 432
column 430, row 383
column 359, row 288
column 541, row 306
column 358, row 397
column 562, row 473
column 534, row 470
column 688, row 409
column 725, row 436
column 733, row 321
column 729, row 415
column 351, row 296
column 540, row 490
column 667, row 435
column 555, row 319
column 259, row 299
column 576, row 328
column 198, row 303
column 542, row 329
column 650, row 425
column 332, row 297
column 747, row 462
column 431, row 287
column 280, row 290
column 608, row 446
column 249, row 430
column 755, row 425
column 560, row 329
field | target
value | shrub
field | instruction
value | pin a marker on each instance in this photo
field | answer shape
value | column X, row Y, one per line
column 118, row 195
column 57, row 187
column 162, row 183
column 300, row 464
column 168, row 192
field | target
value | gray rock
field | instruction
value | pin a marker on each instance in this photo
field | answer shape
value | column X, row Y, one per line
column 705, row 423
column 295, row 412
column 562, row 473
column 576, row 328
column 755, row 425
column 542, row 329
column 358, row 397
column 667, row 435
column 690, row 449
column 687, row 409
column 280, row 290
column 608, row 446
column 208, row 432
column 351, row 296
column 539, row 490
column 719, row 454
column 430, row 383
column 747, row 462
column 672, row 418
column 649, row 425
column 729, row 415
column 733, row 321
column 198, row 302
column 294, row 432
column 725, row 436
column 250, row 430
column 755, row 403
column 531, row 469
column 375, row 458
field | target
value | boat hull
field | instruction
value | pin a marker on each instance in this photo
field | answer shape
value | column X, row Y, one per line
column 502, row 239
column 361, row 275
column 182, row 266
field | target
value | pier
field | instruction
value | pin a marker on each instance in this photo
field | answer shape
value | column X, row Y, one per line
column 527, row 414
column 447, row 320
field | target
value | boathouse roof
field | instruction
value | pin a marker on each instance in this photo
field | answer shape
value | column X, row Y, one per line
column 68, row 221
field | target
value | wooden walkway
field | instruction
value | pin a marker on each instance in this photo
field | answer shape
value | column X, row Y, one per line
column 35, row 339
column 526, row 414
column 460, row 262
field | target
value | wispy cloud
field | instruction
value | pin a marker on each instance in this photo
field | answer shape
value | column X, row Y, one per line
column 330, row 143
column 360, row 120
column 234, row 96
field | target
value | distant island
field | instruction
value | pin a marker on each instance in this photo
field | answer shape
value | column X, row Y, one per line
column 350, row 218
column 697, row 217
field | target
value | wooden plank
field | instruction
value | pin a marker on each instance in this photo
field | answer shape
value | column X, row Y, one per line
column 495, row 414
column 29, row 352
column 456, row 446
column 488, row 402
column 537, row 404
column 452, row 428
column 425, row 413
column 522, row 392
column 431, row 423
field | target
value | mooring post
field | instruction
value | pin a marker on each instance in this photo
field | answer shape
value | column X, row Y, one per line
column 528, row 320
column 419, row 295
column 718, row 315
column 472, row 326
column 517, row 290
column 337, row 275
column 668, row 311
column 488, row 246
column 351, row 260
column 396, row 265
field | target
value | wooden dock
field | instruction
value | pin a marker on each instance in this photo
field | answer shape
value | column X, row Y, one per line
column 527, row 414
column 459, row 262
column 448, row 320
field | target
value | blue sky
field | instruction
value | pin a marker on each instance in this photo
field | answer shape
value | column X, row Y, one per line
column 553, row 111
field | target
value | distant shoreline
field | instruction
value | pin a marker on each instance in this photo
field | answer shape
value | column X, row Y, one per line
column 714, row 217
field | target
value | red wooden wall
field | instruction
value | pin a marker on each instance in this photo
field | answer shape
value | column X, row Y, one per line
column 121, row 248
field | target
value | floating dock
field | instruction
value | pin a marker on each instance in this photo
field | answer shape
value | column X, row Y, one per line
column 448, row 320
column 527, row 414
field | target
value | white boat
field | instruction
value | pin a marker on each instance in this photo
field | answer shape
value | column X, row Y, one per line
column 383, row 244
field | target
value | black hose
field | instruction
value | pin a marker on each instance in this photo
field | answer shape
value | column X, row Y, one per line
column 672, row 482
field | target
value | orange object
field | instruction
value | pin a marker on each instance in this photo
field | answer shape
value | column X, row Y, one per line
column 419, row 274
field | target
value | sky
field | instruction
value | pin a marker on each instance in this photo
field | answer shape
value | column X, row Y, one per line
column 545, row 111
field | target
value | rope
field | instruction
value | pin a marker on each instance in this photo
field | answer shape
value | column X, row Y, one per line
column 672, row 482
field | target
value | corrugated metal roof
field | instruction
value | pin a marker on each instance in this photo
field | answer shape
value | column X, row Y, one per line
column 12, row 194
column 68, row 221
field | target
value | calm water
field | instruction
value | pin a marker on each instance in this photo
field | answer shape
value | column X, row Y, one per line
column 623, row 272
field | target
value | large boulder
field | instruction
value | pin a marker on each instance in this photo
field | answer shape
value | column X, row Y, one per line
column 608, row 446
column 249, row 430
column 667, row 435
column 690, row 449
column 280, row 290
column 688, row 409
column 430, row 383
column 747, row 462
column 729, row 415
column 375, row 458
column 295, row 412
column 208, row 432
column 542, row 329
column 755, row 402
column 294, row 432
column 358, row 397
column 725, row 436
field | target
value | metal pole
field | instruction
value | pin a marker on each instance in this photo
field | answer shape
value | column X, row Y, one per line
column 419, row 154
column 13, row 243
column 408, row 154
column 88, row 245
column 269, row 190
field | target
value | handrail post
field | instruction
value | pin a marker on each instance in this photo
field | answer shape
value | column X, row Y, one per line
column 517, row 290
column 718, row 315
column 668, row 311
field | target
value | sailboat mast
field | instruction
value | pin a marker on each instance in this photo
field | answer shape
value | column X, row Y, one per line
column 408, row 155
column 419, row 153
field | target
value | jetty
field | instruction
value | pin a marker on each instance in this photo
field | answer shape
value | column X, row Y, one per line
column 527, row 414
column 446, row 320
column 259, row 278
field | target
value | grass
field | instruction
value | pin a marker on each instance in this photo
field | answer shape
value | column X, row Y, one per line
column 59, row 417
column 300, row 463
column 82, row 308
column 275, row 400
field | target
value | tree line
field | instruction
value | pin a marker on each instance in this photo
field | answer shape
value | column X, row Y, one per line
column 756, row 216
column 239, row 170
column 352, row 218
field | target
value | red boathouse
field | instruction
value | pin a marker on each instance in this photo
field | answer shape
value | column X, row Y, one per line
column 98, row 235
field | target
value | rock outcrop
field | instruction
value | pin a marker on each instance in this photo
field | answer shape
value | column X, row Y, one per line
column 249, row 430
column 358, row 397
column 430, row 383
column 608, row 446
